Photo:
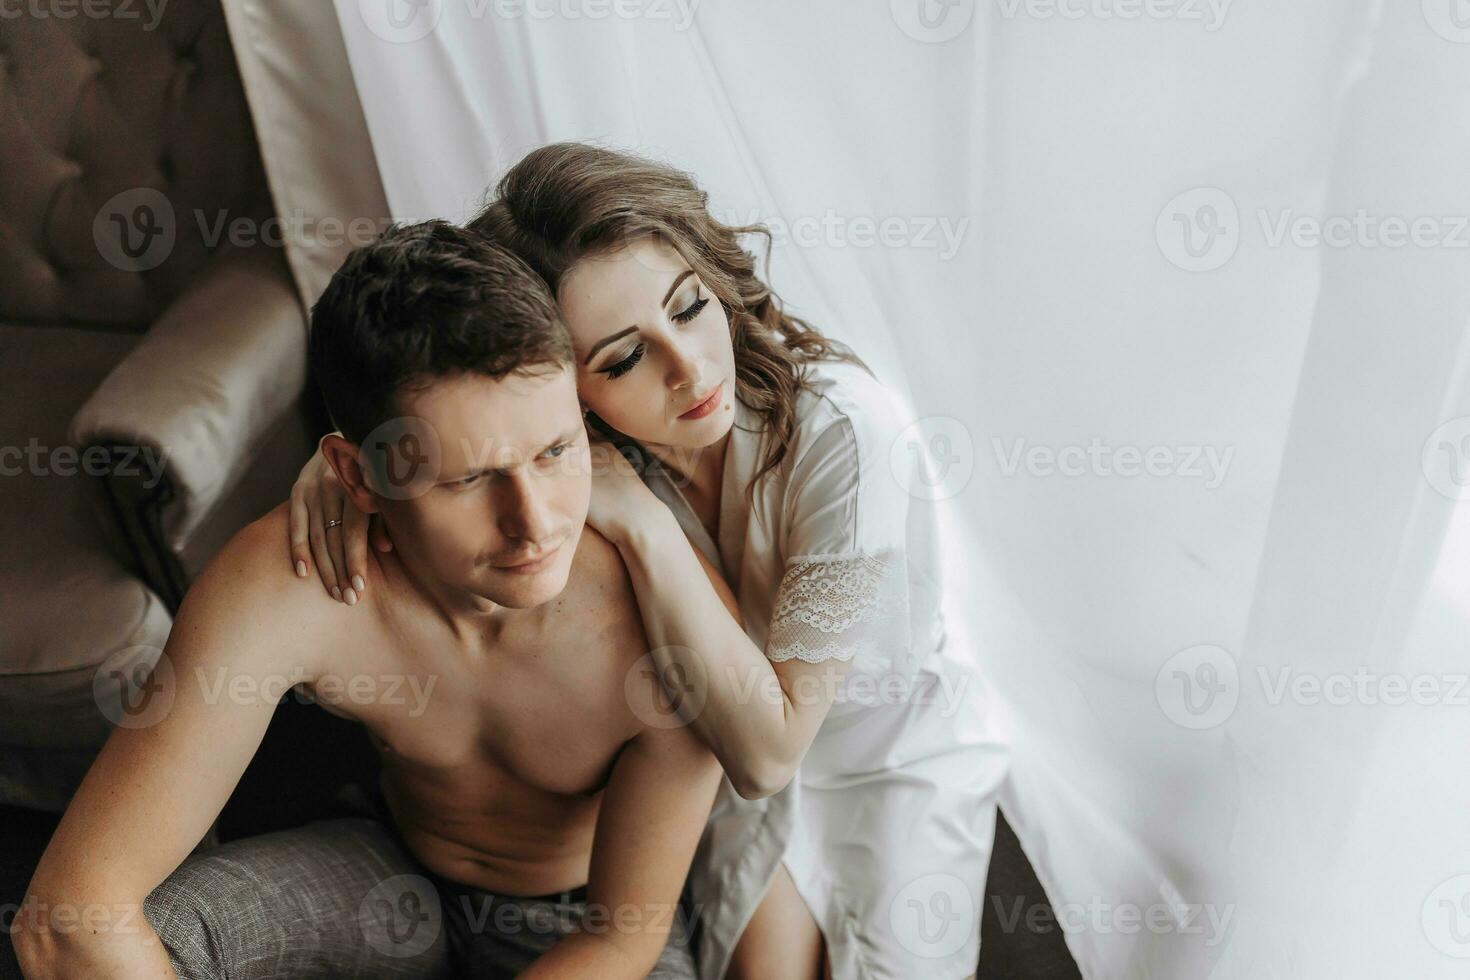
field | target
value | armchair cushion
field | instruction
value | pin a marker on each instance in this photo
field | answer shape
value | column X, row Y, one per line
column 209, row 386
column 66, row 606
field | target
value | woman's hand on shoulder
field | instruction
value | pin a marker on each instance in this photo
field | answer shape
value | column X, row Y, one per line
column 621, row 501
column 338, row 551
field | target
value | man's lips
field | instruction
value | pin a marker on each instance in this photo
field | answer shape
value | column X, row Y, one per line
column 530, row 564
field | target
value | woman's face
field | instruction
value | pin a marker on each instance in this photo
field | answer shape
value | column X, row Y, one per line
column 652, row 343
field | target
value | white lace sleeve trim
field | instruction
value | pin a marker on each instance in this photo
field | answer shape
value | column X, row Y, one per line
column 834, row 607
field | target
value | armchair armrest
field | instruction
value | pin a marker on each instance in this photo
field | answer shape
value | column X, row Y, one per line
column 190, row 406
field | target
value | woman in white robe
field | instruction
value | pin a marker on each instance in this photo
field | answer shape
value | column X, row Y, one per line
column 858, row 809
column 886, row 828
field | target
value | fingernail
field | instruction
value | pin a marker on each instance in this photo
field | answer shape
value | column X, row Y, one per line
column 300, row 569
column 351, row 597
column 357, row 582
column 336, row 593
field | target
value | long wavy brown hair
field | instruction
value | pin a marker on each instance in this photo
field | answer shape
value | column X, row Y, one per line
column 566, row 201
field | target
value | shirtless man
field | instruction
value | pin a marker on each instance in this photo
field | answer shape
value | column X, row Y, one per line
column 543, row 761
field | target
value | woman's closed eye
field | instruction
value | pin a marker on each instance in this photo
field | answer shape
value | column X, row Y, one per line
column 692, row 310
column 626, row 364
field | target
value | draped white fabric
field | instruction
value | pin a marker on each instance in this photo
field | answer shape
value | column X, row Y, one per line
column 1181, row 289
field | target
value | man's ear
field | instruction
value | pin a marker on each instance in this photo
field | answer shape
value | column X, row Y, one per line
column 342, row 457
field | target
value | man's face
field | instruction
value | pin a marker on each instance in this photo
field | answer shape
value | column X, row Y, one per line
column 488, row 475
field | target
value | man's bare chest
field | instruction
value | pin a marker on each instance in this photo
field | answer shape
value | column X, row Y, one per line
column 544, row 711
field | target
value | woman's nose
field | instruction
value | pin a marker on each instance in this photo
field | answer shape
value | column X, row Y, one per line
column 684, row 369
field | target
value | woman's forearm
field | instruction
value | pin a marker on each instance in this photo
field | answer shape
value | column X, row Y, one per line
column 732, row 695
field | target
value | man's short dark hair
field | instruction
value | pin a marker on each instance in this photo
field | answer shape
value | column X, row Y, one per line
column 423, row 302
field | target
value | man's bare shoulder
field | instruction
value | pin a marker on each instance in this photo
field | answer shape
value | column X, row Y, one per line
column 253, row 560
column 599, row 596
column 250, row 586
column 598, row 575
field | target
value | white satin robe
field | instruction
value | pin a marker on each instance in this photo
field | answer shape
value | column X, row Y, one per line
column 886, row 829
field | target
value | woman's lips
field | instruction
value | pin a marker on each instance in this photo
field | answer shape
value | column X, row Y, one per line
column 705, row 407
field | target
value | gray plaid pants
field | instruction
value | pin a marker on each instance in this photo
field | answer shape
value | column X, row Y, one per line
column 345, row 898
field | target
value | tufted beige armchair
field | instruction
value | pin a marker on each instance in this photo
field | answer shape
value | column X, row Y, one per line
column 152, row 358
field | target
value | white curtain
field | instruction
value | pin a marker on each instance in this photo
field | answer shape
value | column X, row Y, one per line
column 1180, row 288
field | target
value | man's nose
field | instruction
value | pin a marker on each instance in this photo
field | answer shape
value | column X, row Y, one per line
column 523, row 510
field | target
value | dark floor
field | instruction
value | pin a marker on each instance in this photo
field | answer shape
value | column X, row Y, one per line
column 285, row 787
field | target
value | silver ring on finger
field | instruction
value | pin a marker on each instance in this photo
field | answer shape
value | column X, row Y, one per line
column 332, row 524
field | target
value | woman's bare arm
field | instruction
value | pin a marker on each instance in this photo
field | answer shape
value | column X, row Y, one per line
column 757, row 717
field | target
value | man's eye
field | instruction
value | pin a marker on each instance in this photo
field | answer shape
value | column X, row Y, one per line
column 557, row 450
column 466, row 481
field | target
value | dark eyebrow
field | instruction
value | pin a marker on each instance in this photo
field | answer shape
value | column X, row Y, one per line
column 675, row 285
column 605, row 341
column 627, row 330
column 565, row 438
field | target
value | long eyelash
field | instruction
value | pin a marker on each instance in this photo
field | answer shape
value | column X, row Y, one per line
column 624, row 366
column 694, row 310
